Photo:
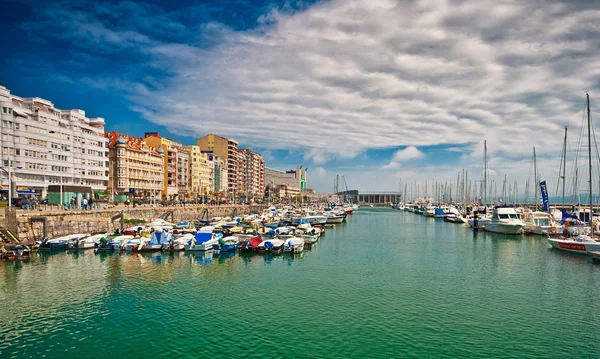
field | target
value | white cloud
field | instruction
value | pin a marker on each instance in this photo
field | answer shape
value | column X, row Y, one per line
column 407, row 154
column 318, row 172
column 390, row 166
column 345, row 76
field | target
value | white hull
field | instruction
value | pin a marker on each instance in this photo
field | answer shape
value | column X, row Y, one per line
column 503, row 228
column 208, row 245
column 334, row 220
column 568, row 245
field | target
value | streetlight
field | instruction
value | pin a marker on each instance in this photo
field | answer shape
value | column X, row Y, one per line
column 61, row 179
column 9, row 176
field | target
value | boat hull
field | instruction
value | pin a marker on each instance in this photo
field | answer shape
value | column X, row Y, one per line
column 334, row 220
column 568, row 246
column 503, row 228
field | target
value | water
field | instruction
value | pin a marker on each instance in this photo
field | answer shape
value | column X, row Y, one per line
column 387, row 284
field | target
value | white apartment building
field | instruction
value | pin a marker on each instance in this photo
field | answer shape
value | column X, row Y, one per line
column 42, row 144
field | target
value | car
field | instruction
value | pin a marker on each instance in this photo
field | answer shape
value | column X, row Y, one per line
column 25, row 203
column 44, row 201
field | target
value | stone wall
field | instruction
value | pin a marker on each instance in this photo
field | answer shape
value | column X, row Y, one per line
column 67, row 222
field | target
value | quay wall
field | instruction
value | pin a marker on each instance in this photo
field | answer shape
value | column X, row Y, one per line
column 97, row 221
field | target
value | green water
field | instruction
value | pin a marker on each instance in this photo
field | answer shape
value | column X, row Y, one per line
column 387, row 284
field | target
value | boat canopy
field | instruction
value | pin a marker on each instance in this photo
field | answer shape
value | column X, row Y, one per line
column 255, row 241
column 202, row 237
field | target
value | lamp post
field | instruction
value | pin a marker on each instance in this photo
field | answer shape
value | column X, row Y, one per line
column 62, row 206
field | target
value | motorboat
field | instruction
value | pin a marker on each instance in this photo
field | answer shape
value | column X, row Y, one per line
column 429, row 211
column 227, row 244
column 159, row 222
column 251, row 244
column 316, row 219
column 332, row 218
column 505, row 220
column 113, row 244
column 18, row 252
column 310, row 239
column 59, row 243
column 294, row 245
column 88, row 242
column 179, row 243
column 579, row 244
column 185, row 227
column 203, row 240
column 439, row 212
column 541, row 223
column 272, row 245
column 159, row 240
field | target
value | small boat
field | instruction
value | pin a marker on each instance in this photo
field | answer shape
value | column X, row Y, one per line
column 203, row 240
column 227, row 244
column 185, row 227
column 251, row 245
column 113, row 244
column 294, row 245
column 159, row 222
column 159, row 240
column 18, row 252
column 59, row 243
column 178, row 244
column 540, row 223
column 272, row 245
column 505, row 220
column 316, row 219
column 310, row 239
column 334, row 219
column 88, row 242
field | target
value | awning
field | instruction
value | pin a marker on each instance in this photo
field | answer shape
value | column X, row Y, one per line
column 27, row 192
column 18, row 112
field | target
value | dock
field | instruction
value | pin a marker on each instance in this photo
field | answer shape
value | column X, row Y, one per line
column 595, row 257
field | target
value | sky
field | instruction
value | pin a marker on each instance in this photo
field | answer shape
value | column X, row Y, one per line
column 381, row 92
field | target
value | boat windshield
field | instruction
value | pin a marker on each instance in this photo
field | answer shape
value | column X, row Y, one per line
column 542, row 222
column 514, row 216
column 502, row 216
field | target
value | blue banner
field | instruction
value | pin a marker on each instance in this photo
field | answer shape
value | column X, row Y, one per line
column 544, row 191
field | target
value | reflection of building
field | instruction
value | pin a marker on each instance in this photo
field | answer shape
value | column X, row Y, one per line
column 134, row 165
column 51, row 144
column 292, row 178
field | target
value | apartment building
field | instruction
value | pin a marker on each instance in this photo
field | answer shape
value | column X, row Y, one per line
column 227, row 150
column 135, row 168
column 252, row 170
column 170, row 189
column 201, row 171
column 43, row 145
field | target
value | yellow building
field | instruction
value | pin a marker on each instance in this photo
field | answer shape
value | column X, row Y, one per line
column 170, row 186
column 227, row 150
column 201, row 171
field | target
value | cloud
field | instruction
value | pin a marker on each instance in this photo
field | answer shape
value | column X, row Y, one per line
column 344, row 76
column 319, row 172
column 390, row 166
column 407, row 154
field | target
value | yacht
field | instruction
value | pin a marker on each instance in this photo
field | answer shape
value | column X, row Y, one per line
column 505, row 220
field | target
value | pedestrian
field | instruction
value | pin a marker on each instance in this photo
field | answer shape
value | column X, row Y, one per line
column 91, row 203
column 84, row 203
column 72, row 202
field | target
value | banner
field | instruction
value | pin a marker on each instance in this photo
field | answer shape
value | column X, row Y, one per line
column 544, row 191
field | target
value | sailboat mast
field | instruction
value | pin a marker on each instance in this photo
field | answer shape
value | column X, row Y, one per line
column 564, row 176
column 485, row 171
column 535, row 180
column 590, row 154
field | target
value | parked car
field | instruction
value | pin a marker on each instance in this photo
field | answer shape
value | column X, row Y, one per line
column 22, row 203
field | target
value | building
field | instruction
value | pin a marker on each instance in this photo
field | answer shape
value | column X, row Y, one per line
column 184, row 187
column 42, row 146
column 170, row 188
column 220, row 184
column 292, row 178
column 251, row 173
column 135, row 168
column 227, row 150
column 201, row 171
column 283, row 191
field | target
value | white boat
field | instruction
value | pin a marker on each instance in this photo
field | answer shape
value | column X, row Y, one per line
column 159, row 239
column 333, row 219
column 505, row 220
column 542, row 223
column 271, row 244
column 203, row 240
column 429, row 211
column 294, row 245
column 159, row 222
column 310, row 239
column 88, row 242
column 316, row 219
column 579, row 244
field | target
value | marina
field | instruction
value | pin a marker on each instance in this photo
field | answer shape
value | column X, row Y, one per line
column 432, row 288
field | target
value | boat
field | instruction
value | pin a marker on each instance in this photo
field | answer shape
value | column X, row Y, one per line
column 251, row 244
column 439, row 212
column 159, row 240
column 112, row 244
column 59, row 243
column 316, row 219
column 579, row 244
column 185, row 227
column 159, row 222
column 334, row 219
column 272, row 245
column 504, row 221
column 294, row 245
column 178, row 244
column 541, row 223
column 87, row 242
column 310, row 239
column 429, row 211
column 18, row 252
column 227, row 244
column 203, row 240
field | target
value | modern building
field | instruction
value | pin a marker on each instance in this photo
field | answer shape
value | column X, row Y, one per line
column 292, row 178
column 220, row 184
column 136, row 168
column 251, row 173
column 42, row 146
column 227, row 150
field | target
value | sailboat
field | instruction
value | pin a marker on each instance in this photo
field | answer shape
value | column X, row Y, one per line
column 482, row 218
column 582, row 243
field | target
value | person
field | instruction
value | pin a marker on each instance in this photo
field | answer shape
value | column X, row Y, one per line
column 72, row 202
column 91, row 203
column 84, row 203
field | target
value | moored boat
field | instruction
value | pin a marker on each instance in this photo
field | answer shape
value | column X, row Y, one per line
column 504, row 221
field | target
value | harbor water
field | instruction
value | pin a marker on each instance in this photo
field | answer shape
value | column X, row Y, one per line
column 386, row 284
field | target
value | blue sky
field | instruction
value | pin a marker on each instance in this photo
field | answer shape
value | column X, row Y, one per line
column 379, row 91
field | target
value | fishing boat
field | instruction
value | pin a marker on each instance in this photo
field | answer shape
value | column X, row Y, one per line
column 294, row 245
column 203, row 240
column 504, row 221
